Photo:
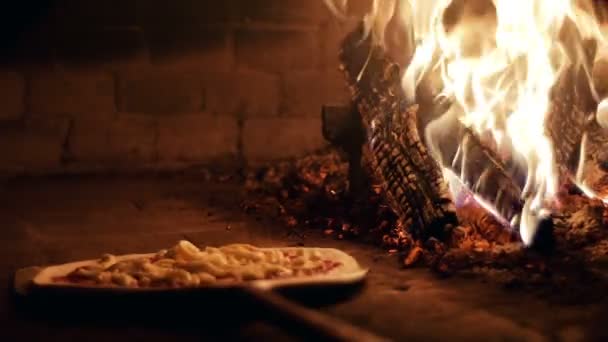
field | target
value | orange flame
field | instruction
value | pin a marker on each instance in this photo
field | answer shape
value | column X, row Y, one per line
column 495, row 61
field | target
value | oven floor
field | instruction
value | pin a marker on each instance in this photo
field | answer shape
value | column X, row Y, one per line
column 54, row 220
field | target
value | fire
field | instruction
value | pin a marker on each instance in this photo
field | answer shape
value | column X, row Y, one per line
column 494, row 63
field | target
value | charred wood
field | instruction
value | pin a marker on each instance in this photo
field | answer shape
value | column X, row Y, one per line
column 574, row 99
column 486, row 224
column 412, row 179
column 478, row 166
column 567, row 122
column 343, row 128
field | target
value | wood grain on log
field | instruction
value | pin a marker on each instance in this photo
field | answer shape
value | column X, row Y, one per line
column 573, row 101
column 478, row 166
column 484, row 223
column 566, row 122
column 412, row 179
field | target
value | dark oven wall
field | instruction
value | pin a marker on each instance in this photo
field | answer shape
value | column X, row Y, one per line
column 129, row 84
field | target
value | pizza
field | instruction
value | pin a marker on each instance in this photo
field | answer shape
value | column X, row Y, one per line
column 185, row 266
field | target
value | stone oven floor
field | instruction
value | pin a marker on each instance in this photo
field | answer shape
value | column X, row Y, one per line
column 54, row 220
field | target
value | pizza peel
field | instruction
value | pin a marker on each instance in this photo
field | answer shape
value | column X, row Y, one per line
column 38, row 282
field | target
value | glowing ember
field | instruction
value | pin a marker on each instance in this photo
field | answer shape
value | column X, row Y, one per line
column 492, row 66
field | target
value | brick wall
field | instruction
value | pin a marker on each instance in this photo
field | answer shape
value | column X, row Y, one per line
column 89, row 84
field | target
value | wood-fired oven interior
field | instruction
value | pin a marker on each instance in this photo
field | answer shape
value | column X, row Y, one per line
column 129, row 125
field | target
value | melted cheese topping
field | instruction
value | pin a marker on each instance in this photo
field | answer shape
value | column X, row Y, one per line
column 185, row 265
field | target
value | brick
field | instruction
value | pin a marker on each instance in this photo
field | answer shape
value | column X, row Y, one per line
column 303, row 93
column 12, row 88
column 112, row 46
column 24, row 32
column 333, row 34
column 337, row 88
column 78, row 14
column 249, row 93
column 160, row 91
column 34, row 144
column 71, row 93
column 354, row 9
column 162, row 15
column 283, row 11
column 267, row 139
column 277, row 50
column 124, row 139
column 358, row 8
column 30, row 48
column 197, row 138
column 206, row 48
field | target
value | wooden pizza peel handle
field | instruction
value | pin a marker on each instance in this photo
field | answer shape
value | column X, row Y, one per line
column 306, row 322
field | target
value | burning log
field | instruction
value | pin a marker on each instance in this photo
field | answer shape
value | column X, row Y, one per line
column 411, row 177
column 392, row 130
column 486, row 224
column 496, row 183
column 478, row 167
column 515, row 182
column 570, row 117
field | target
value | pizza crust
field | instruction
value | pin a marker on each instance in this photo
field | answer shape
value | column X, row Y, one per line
column 347, row 271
